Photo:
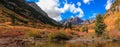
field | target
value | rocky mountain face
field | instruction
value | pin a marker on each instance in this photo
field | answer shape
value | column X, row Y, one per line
column 37, row 8
column 112, row 17
column 114, row 8
column 74, row 21
column 26, row 12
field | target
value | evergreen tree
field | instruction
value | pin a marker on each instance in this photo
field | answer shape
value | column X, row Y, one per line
column 99, row 25
column 13, row 19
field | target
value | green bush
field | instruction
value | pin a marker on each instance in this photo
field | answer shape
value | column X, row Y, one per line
column 57, row 36
column 77, row 29
column 35, row 34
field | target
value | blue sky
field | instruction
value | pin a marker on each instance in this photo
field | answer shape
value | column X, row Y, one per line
column 65, row 9
column 32, row 0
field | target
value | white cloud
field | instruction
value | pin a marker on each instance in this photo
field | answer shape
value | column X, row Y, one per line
column 51, row 8
column 108, row 5
column 78, row 3
column 87, row 1
column 65, row 8
column 81, row 13
column 93, row 16
column 72, row 16
column 72, row 9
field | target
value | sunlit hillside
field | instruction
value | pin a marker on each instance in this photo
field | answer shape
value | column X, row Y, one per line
column 25, row 24
column 113, row 24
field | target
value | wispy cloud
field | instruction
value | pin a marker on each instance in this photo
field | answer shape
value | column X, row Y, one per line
column 78, row 3
column 108, row 4
column 93, row 16
column 87, row 1
column 75, row 10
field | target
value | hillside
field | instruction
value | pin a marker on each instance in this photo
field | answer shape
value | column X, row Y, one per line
column 111, row 19
column 22, row 13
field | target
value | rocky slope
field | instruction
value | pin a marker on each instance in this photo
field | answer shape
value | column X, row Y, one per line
column 114, row 8
column 74, row 21
column 24, row 12
column 112, row 17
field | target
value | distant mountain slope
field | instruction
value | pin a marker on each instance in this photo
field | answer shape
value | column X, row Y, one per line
column 74, row 21
column 25, row 12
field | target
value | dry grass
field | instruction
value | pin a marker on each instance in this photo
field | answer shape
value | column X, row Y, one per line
column 12, row 31
column 57, row 36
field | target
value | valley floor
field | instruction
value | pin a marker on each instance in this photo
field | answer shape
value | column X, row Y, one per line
column 19, row 35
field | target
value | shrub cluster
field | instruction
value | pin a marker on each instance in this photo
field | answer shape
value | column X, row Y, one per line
column 57, row 36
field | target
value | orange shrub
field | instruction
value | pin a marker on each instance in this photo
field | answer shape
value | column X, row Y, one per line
column 114, row 34
column 29, row 23
column 8, row 23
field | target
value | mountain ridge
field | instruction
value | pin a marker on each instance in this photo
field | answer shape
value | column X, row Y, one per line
column 74, row 21
column 28, row 12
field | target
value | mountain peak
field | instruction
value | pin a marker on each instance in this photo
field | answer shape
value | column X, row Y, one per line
column 73, row 20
